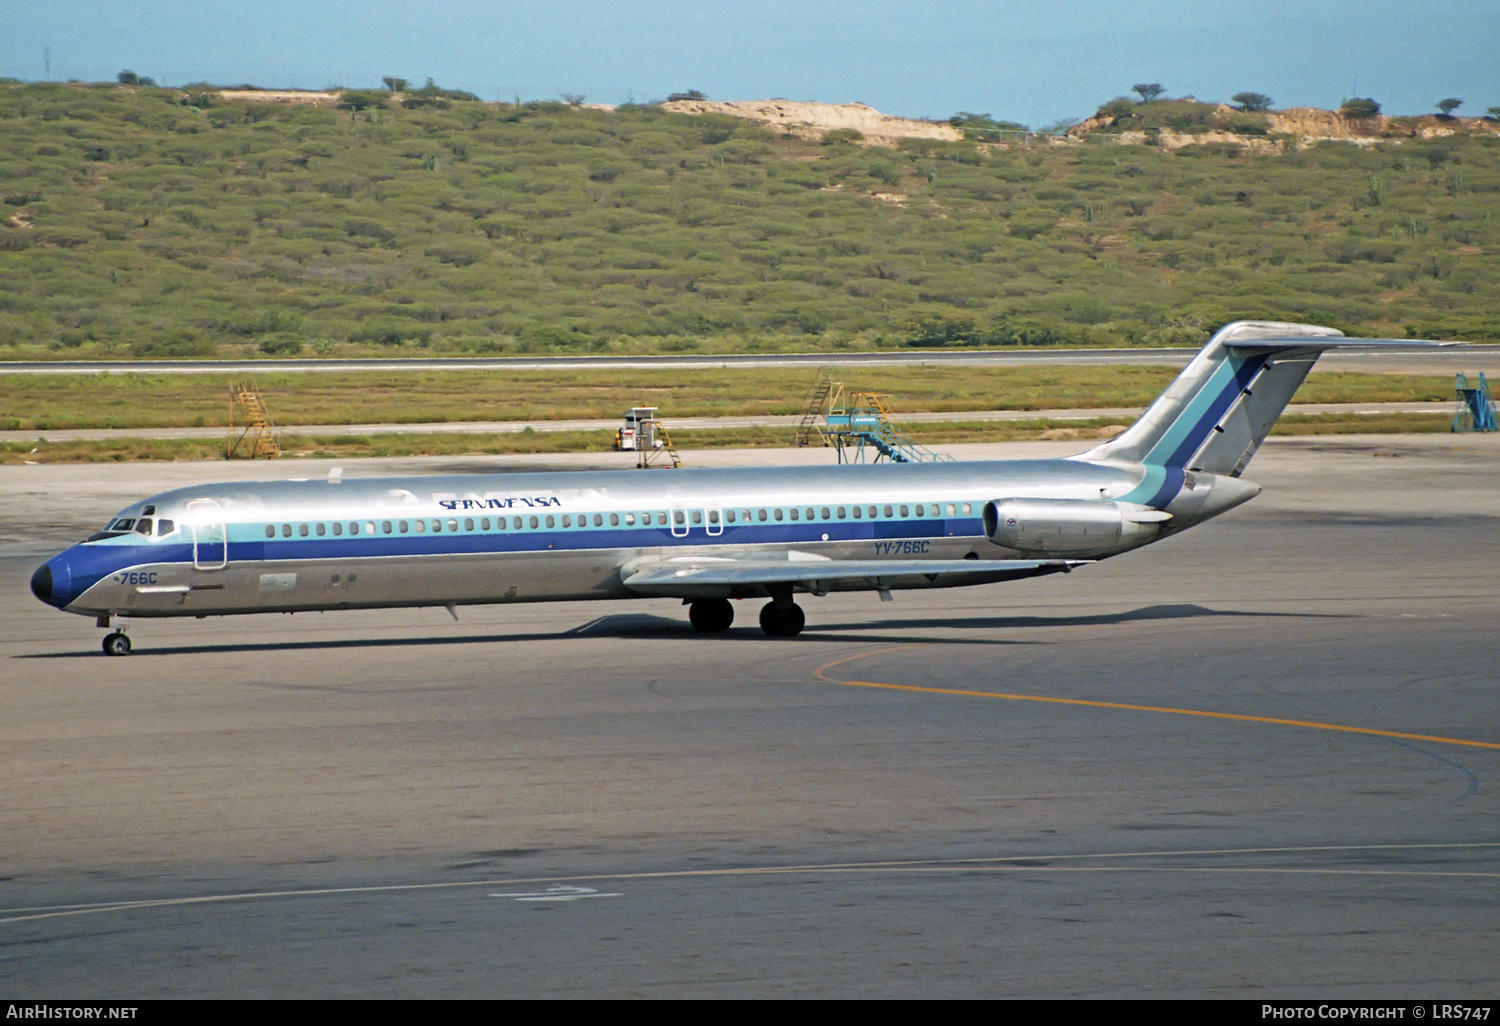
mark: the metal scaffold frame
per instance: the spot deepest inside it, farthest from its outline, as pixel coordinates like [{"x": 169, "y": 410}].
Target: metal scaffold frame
[
  {"x": 856, "y": 426},
  {"x": 256, "y": 424},
  {"x": 1475, "y": 409}
]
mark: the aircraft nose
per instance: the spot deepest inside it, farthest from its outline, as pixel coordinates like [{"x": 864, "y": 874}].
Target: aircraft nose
[
  {"x": 41, "y": 583},
  {"x": 52, "y": 582}
]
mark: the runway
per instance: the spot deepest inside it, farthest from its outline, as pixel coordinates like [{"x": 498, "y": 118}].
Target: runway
[{"x": 1258, "y": 760}]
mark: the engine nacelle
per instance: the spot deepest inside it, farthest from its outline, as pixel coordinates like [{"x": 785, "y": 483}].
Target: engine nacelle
[{"x": 1070, "y": 527}]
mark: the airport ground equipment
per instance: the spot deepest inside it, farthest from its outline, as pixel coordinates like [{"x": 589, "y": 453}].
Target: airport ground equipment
[
  {"x": 646, "y": 436},
  {"x": 822, "y": 395},
  {"x": 248, "y": 415},
  {"x": 1475, "y": 409},
  {"x": 857, "y": 425},
  {"x": 863, "y": 426}
]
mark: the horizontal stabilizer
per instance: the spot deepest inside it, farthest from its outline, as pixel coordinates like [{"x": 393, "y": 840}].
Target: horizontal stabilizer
[{"x": 1322, "y": 343}]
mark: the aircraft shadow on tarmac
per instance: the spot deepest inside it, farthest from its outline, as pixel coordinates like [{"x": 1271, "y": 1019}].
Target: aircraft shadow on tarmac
[{"x": 646, "y": 626}]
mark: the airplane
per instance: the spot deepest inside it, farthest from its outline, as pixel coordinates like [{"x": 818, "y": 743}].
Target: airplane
[{"x": 703, "y": 537}]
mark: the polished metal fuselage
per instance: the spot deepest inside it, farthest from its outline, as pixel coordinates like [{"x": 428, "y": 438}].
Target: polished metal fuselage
[{"x": 460, "y": 539}]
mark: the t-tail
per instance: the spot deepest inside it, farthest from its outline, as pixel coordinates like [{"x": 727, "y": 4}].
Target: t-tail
[{"x": 1202, "y": 431}]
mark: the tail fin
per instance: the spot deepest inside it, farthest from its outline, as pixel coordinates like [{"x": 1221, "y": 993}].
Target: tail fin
[{"x": 1223, "y": 404}]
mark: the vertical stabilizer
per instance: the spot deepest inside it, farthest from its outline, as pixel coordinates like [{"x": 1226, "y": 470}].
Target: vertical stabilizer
[{"x": 1220, "y": 408}]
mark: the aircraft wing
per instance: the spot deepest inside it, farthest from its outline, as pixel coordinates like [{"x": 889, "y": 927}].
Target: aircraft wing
[{"x": 729, "y": 577}]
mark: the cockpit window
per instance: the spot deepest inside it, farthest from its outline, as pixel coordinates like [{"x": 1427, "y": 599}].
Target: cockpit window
[
  {"x": 143, "y": 526},
  {"x": 123, "y": 524},
  {"x": 164, "y": 527}
]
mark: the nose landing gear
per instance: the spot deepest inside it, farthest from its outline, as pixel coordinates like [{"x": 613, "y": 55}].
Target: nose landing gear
[{"x": 115, "y": 642}]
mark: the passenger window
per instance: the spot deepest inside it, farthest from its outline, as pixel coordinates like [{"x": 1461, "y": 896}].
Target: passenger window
[
  {"x": 776, "y": 513},
  {"x": 567, "y": 520},
  {"x": 453, "y": 525},
  {"x": 403, "y": 527},
  {"x": 904, "y": 511},
  {"x": 354, "y": 527},
  {"x": 515, "y": 522},
  {"x": 499, "y": 523},
  {"x": 629, "y": 519},
  {"x": 761, "y": 515},
  {"x": 302, "y": 530},
  {"x": 697, "y": 516},
  {"x": 535, "y": 523},
  {"x": 729, "y": 516},
  {"x": 713, "y": 516},
  {"x": 677, "y": 515},
  {"x": 888, "y": 512},
  {"x": 286, "y": 530},
  {"x": 794, "y": 512},
  {"x": 598, "y": 519},
  {"x": 840, "y": 512},
  {"x": 437, "y": 527},
  {"x": 484, "y": 523},
  {"x": 338, "y": 528},
  {"x": 810, "y": 513},
  {"x": 858, "y": 512},
  {"x": 270, "y": 531},
  {"x": 967, "y": 509},
  {"x": 551, "y": 522},
  {"x": 369, "y": 527},
  {"x": 420, "y": 525},
  {"x": 614, "y": 520},
  {"x": 468, "y": 523},
  {"x": 919, "y": 510},
  {"x": 951, "y": 510}
]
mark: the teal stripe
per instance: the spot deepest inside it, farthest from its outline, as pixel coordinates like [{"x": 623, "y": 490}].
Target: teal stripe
[{"x": 1223, "y": 377}]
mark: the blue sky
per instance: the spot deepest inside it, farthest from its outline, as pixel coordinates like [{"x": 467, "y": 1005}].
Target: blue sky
[{"x": 1023, "y": 61}]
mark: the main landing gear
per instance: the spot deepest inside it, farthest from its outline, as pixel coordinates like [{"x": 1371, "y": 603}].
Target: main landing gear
[
  {"x": 711, "y": 616},
  {"x": 780, "y": 618},
  {"x": 782, "y": 621}
]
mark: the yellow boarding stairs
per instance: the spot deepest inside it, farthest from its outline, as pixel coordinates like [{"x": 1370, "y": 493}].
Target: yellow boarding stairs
[{"x": 248, "y": 415}]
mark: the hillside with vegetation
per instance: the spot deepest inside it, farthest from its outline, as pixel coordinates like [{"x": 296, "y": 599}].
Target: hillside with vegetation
[{"x": 140, "y": 221}]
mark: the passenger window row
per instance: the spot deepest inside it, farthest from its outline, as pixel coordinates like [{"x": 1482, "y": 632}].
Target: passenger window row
[{"x": 549, "y": 521}]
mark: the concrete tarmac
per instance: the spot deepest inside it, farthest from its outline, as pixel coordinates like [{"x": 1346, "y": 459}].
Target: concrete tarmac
[{"x": 1258, "y": 760}]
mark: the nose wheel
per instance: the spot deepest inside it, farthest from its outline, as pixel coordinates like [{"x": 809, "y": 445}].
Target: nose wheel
[{"x": 116, "y": 644}]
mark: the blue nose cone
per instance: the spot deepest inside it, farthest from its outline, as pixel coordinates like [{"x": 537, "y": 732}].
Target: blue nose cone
[{"x": 53, "y": 582}]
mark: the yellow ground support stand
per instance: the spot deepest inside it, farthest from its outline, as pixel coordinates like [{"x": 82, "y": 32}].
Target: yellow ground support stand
[
  {"x": 254, "y": 424},
  {"x": 822, "y": 398}
]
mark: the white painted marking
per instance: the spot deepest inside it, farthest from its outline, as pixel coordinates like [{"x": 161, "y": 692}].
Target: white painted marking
[{"x": 557, "y": 892}]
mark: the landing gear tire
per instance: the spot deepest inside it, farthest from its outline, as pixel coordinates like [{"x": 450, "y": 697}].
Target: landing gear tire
[
  {"x": 116, "y": 644},
  {"x": 711, "y": 616},
  {"x": 782, "y": 621}
]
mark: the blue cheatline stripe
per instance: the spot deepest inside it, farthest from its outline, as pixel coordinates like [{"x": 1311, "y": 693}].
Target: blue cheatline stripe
[{"x": 92, "y": 563}]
